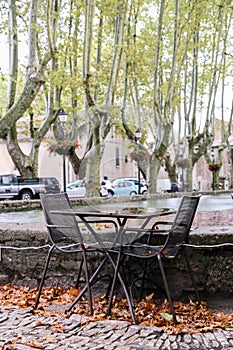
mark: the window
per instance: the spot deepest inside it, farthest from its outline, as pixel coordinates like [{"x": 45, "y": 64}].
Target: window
[
  {"x": 7, "y": 179},
  {"x": 117, "y": 157}
]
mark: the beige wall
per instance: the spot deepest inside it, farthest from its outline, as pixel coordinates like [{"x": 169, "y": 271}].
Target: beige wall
[
  {"x": 6, "y": 164},
  {"x": 49, "y": 164},
  {"x": 52, "y": 165},
  {"x": 109, "y": 166}
]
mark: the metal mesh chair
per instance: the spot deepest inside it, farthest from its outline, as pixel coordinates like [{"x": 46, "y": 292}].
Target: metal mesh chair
[
  {"x": 66, "y": 237},
  {"x": 142, "y": 245}
]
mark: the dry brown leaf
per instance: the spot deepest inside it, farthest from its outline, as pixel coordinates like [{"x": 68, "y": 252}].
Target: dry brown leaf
[
  {"x": 107, "y": 226},
  {"x": 191, "y": 316},
  {"x": 148, "y": 253},
  {"x": 150, "y": 297},
  {"x": 35, "y": 344},
  {"x": 11, "y": 343},
  {"x": 58, "y": 328},
  {"x": 164, "y": 252}
]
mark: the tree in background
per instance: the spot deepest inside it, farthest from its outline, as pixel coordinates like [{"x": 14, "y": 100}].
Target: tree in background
[
  {"x": 20, "y": 98},
  {"x": 189, "y": 63}
]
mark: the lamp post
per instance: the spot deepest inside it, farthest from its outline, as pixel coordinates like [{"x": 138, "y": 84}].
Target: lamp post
[
  {"x": 138, "y": 135},
  {"x": 63, "y": 119},
  {"x": 182, "y": 168},
  {"x": 213, "y": 162}
]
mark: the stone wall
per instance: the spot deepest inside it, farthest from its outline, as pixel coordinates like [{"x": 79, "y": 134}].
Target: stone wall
[
  {"x": 14, "y": 205},
  {"x": 213, "y": 268}
]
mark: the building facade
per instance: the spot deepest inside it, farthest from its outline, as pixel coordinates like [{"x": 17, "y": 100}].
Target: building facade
[{"x": 116, "y": 162}]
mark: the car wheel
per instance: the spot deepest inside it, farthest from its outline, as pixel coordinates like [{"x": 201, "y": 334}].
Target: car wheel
[
  {"x": 110, "y": 193},
  {"x": 144, "y": 192},
  {"x": 132, "y": 193},
  {"x": 26, "y": 195}
]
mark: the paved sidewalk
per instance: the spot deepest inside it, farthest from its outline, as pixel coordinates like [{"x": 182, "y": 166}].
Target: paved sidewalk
[{"x": 21, "y": 330}]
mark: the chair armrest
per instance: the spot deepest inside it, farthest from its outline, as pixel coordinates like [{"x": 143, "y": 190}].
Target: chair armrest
[
  {"x": 158, "y": 223},
  {"x": 58, "y": 226},
  {"x": 132, "y": 235}
]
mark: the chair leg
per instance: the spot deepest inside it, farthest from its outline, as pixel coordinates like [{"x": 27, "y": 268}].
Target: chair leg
[
  {"x": 91, "y": 282},
  {"x": 97, "y": 279},
  {"x": 166, "y": 287},
  {"x": 87, "y": 281},
  {"x": 117, "y": 274},
  {"x": 144, "y": 267},
  {"x": 116, "y": 269},
  {"x": 43, "y": 276},
  {"x": 190, "y": 271},
  {"x": 93, "y": 279}
]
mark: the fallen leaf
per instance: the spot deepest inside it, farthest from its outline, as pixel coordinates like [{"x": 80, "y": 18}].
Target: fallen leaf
[
  {"x": 166, "y": 316},
  {"x": 191, "y": 316},
  {"x": 12, "y": 343},
  {"x": 149, "y": 297},
  {"x": 35, "y": 344},
  {"x": 58, "y": 328}
]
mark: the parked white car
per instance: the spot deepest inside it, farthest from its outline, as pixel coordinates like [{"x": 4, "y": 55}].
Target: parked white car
[
  {"x": 78, "y": 189},
  {"x": 106, "y": 188}
]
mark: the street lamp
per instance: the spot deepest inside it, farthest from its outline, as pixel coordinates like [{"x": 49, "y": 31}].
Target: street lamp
[
  {"x": 63, "y": 119},
  {"x": 213, "y": 162},
  {"x": 138, "y": 135}
]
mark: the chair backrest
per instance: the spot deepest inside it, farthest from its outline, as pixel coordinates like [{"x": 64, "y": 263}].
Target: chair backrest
[
  {"x": 182, "y": 223},
  {"x": 63, "y": 229}
]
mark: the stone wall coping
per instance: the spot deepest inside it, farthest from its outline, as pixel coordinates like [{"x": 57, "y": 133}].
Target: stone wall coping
[
  {"x": 220, "y": 233},
  {"x": 15, "y": 205},
  {"x": 42, "y": 226}
]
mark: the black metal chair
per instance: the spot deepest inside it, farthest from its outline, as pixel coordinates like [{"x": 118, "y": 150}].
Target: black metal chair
[
  {"x": 140, "y": 244},
  {"x": 65, "y": 236}
]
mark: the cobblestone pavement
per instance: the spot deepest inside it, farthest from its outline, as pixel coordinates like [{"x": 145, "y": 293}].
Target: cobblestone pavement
[{"x": 21, "y": 330}]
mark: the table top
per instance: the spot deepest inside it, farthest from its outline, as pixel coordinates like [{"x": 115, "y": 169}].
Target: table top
[{"x": 131, "y": 212}]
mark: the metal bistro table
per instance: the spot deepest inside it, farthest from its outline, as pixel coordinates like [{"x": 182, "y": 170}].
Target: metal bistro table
[{"x": 139, "y": 217}]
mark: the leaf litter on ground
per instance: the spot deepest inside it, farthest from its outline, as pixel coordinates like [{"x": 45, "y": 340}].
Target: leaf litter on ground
[{"x": 192, "y": 317}]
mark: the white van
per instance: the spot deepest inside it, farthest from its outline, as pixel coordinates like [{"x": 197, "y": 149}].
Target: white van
[{"x": 163, "y": 185}]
